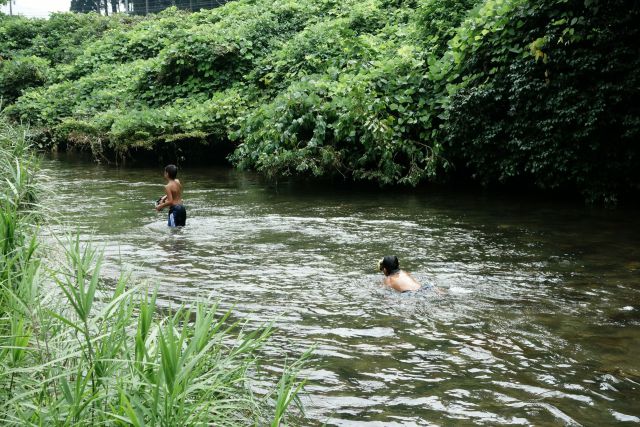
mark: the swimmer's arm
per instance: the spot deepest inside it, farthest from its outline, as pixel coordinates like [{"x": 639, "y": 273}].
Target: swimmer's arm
[
  {"x": 395, "y": 286},
  {"x": 168, "y": 200}
]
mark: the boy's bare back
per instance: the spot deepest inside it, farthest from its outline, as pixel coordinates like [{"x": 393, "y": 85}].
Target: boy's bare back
[
  {"x": 401, "y": 282},
  {"x": 174, "y": 192}
]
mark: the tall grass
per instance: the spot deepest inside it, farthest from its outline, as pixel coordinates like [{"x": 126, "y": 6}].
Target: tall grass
[{"x": 74, "y": 351}]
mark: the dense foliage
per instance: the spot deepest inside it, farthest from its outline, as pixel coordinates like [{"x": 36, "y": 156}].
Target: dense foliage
[
  {"x": 515, "y": 92},
  {"x": 570, "y": 117},
  {"x": 79, "y": 349}
]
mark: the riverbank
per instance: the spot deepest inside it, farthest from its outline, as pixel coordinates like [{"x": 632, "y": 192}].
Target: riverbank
[
  {"x": 77, "y": 348},
  {"x": 523, "y": 193},
  {"x": 498, "y": 93}
]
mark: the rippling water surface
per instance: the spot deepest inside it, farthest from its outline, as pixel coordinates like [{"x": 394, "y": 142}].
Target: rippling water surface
[{"x": 539, "y": 323}]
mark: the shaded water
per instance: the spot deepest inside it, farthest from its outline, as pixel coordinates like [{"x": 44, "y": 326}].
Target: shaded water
[{"x": 539, "y": 325}]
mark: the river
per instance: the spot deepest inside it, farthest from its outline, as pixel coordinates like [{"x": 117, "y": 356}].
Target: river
[{"x": 539, "y": 322}]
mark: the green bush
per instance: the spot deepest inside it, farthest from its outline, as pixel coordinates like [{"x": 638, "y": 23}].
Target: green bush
[
  {"x": 515, "y": 92},
  {"x": 59, "y": 39},
  {"x": 359, "y": 124},
  {"x": 550, "y": 100},
  {"x": 21, "y": 73}
]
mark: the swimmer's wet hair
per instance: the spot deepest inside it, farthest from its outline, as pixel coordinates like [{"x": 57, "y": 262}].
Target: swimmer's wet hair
[
  {"x": 172, "y": 171},
  {"x": 391, "y": 263}
]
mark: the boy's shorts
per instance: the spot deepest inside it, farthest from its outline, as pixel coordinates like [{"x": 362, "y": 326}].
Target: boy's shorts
[{"x": 177, "y": 216}]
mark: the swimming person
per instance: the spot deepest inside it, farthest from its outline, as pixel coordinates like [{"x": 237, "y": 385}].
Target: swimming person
[
  {"x": 173, "y": 198},
  {"x": 394, "y": 277}
]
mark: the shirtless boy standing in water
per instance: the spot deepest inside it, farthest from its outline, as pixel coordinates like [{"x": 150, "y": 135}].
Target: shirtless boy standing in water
[
  {"x": 173, "y": 198},
  {"x": 396, "y": 278}
]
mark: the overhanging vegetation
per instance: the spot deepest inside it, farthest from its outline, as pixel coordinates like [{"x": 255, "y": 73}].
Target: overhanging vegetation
[{"x": 533, "y": 94}]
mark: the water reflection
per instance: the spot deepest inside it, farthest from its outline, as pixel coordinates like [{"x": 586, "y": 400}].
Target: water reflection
[{"x": 540, "y": 323}]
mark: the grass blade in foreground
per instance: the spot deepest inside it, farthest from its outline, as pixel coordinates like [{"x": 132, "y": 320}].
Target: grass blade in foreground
[{"x": 74, "y": 351}]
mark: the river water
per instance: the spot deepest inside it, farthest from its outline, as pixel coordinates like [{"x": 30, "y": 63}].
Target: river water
[{"x": 539, "y": 322}]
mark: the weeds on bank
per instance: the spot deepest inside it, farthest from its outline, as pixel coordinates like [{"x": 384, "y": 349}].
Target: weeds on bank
[{"x": 74, "y": 351}]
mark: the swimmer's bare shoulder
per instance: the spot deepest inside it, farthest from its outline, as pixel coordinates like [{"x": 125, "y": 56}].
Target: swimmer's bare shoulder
[
  {"x": 398, "y": 279},
  {"x": 401, "y": 282}
]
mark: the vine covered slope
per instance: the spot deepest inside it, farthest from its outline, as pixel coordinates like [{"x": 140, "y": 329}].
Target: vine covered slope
[{"x": 502, "y": 92}]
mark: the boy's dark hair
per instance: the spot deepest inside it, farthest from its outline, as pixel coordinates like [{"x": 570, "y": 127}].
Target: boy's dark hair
[
  {"x": 172, "y": 171},
  {"x": 390, "y": 263}
]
